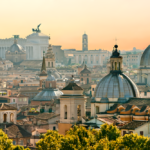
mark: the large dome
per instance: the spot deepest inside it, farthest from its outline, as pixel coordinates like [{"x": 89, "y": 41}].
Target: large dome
[
  {"x": 48, "y": 94},
  {"x": 118, "y": 86},
  {"x": 145, "y": 59},
  {"x": 16, "y": 47}
]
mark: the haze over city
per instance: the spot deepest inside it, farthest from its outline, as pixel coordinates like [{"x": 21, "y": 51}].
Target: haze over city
[{"x": 67, "y": 20}]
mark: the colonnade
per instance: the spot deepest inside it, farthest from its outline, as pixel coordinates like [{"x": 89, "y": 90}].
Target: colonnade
[{"x": 88, "y": 59}]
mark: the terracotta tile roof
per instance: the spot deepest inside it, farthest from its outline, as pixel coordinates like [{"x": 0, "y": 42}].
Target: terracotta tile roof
[
  {"x": 16, "y": 130},
  {"x": 18, "y": 95},
  {"x": 24, "y": 123},
  {"x": 107, "y": 120},
  {"x": 138, "y": 101},
  {"x": 133, "y": 125},
  {"x": 41, "y": 130},
  {"x": 46, "y": 115},
  {"x": 6, "y": 107}
]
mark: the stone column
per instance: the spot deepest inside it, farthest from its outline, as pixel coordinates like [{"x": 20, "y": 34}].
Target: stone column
[
  {"x": 77, "y": 61},
  {"x": 94, "y": 59},
  {"x": 8, "y": 117},
  {"x": 100, "y": 62},
  {"x": 89, "y": 60},
  {"x": 82, "y": 58}
]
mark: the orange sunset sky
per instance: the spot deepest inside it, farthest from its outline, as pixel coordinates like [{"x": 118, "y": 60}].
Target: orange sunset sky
[{"x": 67, "y": 20}]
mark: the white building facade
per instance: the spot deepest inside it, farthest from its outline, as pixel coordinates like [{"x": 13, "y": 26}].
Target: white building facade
[
  {"x": 34, "y": 45},
  {"x": 90, "y": 57}
]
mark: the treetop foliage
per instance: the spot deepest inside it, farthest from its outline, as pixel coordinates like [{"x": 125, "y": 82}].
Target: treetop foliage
[{"x": 79, "y": 138}]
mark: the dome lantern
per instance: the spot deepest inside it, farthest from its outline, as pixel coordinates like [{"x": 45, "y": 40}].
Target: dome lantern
[{"x": 116, "y": 61}]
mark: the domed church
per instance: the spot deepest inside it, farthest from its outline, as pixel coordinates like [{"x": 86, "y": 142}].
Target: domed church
[
  {"x": 144, "y": 72},
  {"x": 116, "y": 87},
  {"x": 16, "y": 53}
]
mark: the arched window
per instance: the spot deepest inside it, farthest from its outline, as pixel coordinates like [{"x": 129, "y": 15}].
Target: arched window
[
  {"x": 11, "y": 117},
  {"x": 79, "y": 112},
  {"x": 87, "y": 80},
  {"x": 145, "y": 80},
  {"x": 50, "y": 85},
  {"x": 65, "y": 112},
  {"x": 85, "y": 59},
  {"x": 5, "y": 118},
  {"x": 115, "y": 65},
  {"x": 119, "y": 66},
  {"x": 112, "y": 66},
  {"x": 43, "y": 84},
  {"x": 48, "y": 64},
  {"x": 80, "y": 59},
  {"x": 97, "y": 109},
  {"x": 91, "y": 59}
]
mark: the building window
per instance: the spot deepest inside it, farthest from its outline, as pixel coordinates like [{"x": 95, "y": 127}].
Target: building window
[
  {"x": 11, "y": 117},
  {"x": 21, "y": 81},
  {"x": 50, "y": 85},
  {"x": 48, "y": 64},
  {"x": 97, "y": 109},
  {"x": 54, "y": 128},
  {"x": 14, "y": 100},
  {"x": 20, "y": 100},
  {"x": 5, "y": 118},
  {"x": 145, "y": 80},
  {"x": 24, "y": 100},
  {"x": 14, "y": 142},
  {"x": 21, "y": 142},
  {"x": 141, "y": 132},
  {"x": 145, "y": 93},
  {"x": 52, "y": 64},
  {"x": 124, "y": 132},
  {"x": 87, "y": 80},
  {"x": 130, "y": 132},
  {"x": 65, "y": 115},
  {"x": 92, "y": 89},
  {"x": 79, "y": 112},
  {"x": 81, "y": 79}
]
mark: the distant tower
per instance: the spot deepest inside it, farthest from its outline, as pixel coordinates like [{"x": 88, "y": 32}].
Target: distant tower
[
  {"x": 72, "y": 103},
  {"x": 50, "y": 58},
  {"x": 84, "y": 42},
  {"x": 43, "y": 74},
  {"x": 85, "y": 76}
]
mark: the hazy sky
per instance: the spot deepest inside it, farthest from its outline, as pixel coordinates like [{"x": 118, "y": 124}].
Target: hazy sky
[{"x": 67, "y": 20}]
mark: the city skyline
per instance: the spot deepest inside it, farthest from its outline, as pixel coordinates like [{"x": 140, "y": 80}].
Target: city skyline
[{"x": 66, "y": 21}]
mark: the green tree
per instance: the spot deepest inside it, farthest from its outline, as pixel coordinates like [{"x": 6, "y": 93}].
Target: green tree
[
  {"x": 6, "y": 143},
  {"x": 51, "y": 140},
  {"x": 110, "y": 131},
  {"x": 79, "y": 138}
]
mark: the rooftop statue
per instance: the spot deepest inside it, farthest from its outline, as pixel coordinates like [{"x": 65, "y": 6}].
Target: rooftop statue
[{"x": 37, "y": 30}]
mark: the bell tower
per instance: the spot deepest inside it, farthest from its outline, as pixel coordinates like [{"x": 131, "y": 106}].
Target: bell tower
[
  {"x": 84, "y": 42},
  {"x": 116, "y": 61}
]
